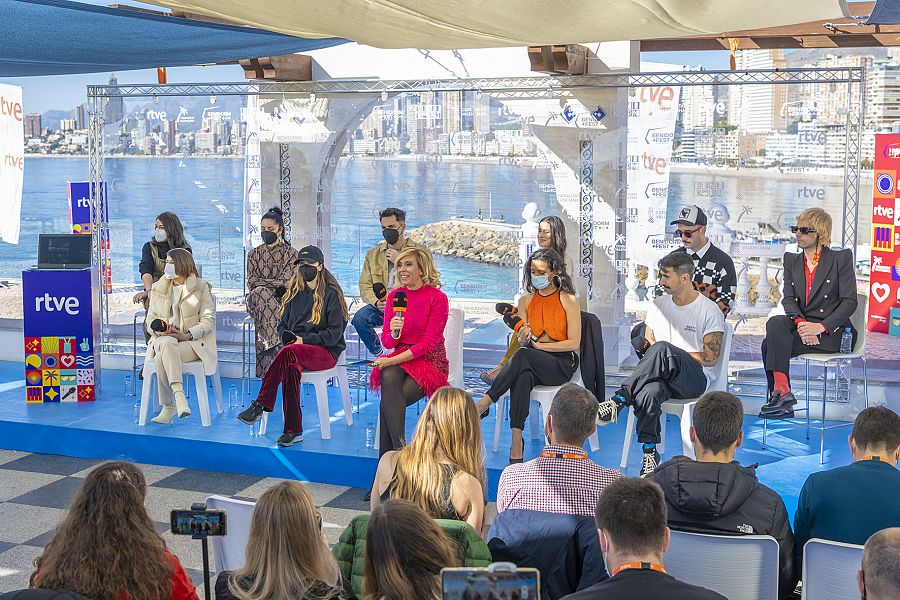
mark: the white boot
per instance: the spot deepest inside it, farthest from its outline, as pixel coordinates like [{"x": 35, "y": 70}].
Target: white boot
[
  {"x": 181, "y": 404},
  {"x": 166, "y": 415}
]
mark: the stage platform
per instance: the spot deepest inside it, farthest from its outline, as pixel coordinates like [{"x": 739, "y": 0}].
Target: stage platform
[{"x": 106, "y": 429}]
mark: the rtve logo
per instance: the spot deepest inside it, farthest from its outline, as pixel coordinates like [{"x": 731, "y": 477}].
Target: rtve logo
[{"x": 56, "y": 304}]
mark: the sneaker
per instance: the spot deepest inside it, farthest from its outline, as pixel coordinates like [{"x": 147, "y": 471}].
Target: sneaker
[
  {"x": 650, "y": 462},
  {"x": 251, "y": 414},
  {"x": 289, "y": 439},
  {"x": 608, "y": 412}
]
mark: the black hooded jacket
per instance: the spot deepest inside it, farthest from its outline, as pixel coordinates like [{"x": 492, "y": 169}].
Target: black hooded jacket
[{"x": 726, "y": 499}]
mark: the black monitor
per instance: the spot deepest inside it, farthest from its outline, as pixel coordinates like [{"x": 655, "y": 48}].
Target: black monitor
[{"x": 64, "y": 251}]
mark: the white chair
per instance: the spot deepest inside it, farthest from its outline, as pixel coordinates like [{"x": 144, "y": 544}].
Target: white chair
[
  {"x": 683, "y": 409},
  {"x": 542, "y": 395},
  {"x": 858, "y": 319},
  {"x": 229, "y": 549},
  {"x": 829, "y": 570},
  {"x": 319, "y": 381},
  {"x": 740, "y": 567},
  {"x": 453, "y": 344},
  {"x": 194, "y": 369}
]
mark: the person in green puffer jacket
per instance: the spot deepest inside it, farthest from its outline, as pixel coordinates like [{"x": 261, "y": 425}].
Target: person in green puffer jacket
[{"x": 350, "y": 549}]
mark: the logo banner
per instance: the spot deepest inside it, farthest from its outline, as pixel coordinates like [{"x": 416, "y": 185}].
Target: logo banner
[
  {"x": 12, "y": 161},
  {"x": 884, "y": 278}
]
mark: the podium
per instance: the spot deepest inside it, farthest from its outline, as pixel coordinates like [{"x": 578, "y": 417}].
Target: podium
[{"x": 62, "y": 320}]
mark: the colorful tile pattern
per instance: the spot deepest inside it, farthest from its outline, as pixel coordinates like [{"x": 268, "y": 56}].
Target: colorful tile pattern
[{"x": 59, "y": 369}]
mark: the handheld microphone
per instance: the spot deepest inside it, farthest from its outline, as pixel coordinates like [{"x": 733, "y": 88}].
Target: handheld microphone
[
  {"x": 515, "y": 323},
  {"x": 288, "y": 337},
  {"x": 159, "y": 326},
  {"x": 504, "y": 308},
  {"x": 380, "y": 291},
  {"x": 399, "y": 305}
]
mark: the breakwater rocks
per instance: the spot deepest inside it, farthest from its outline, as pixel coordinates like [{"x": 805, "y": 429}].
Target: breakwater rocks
[{"x": 482, "y": 241}]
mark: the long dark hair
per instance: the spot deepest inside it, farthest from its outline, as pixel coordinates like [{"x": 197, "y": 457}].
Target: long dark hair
[
  {"x": 174, "y": 230},
  {"x": 555, "y": 263},
  {"x": 107, "y": 547},
  {"x": 277, "y": 215},
  {"x": 557, "y": 233},
  {"x": 297, "y": 284}
]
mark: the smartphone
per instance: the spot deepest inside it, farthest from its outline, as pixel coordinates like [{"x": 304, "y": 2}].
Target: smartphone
[
  {"x": 198, "y": 522},
  {"x": 468, "y": 584}
]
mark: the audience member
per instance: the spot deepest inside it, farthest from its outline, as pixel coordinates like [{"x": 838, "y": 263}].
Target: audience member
[
  {"x": 378, "y": 272},
  {"x": 287, "y": 556},
  {"x": 715, "y": 494},
  {"x": 107, "y": 547},
  {"x": 270, "y": 267},
  {"x": 631, "y": 520},
  {"x": 685, "y": 331},
  {"x": 442, "y": 469},
  {"x": 850, "y": 503},
  {"x": 405, "y": 552},
  {"x": 549, "y": 331},
  {"x": 562, "y": 479},
  {"x": 879, "y": 577}
]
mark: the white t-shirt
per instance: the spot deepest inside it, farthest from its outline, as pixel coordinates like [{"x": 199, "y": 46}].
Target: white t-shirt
[{"x": 686, "y": 326}]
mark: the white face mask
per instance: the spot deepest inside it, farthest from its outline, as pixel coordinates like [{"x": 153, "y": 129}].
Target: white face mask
[
  {"x": 169, "y": 271},
  {"x": 160, "y": 235}
]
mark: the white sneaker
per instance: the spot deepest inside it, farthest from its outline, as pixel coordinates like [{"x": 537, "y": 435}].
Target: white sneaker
[
  {"x": 649, "y": 463},
  {"x": 608, "y": 412},
  {"x": 165, "y": 416}
]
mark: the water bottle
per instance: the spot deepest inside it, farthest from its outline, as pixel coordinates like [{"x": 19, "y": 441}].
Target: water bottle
[
  {"x": 847, "y": 341},
  {"x": 232, "y": 397},
  {"x": 137, "y": 411},
  {"x": 370, "y": 435},
  {"x": 128, "y": 386}
]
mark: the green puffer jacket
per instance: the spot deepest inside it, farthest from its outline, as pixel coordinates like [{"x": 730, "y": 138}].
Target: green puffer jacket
[{"x": 350, "y": 549}]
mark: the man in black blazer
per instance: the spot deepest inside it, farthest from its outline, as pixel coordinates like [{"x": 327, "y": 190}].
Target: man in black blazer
[{"x": 819, "y": 299}]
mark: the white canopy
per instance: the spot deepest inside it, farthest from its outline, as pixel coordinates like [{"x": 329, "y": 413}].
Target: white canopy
[{"x": 449, "y": 24}]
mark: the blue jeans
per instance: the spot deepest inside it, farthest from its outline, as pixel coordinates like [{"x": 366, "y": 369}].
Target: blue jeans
[{"x": 365, "y": 321}]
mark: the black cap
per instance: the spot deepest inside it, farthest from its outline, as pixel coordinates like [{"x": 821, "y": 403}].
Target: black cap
[
  {"x": 690, "y": 215},
  {"x": 310, "y": 254}
]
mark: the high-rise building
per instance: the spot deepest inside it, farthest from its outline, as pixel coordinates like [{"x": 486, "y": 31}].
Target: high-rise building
[
  {"x": 67, "y": 125},
  {"x": 882, "y": 97},
  {"x": 451, "y": 103},
  {"x": 80, "y": 117},
  {"x": 698, "y": 107},
  {"x": 114, "y": 111},
  {"x": 33, "y": 125},
  {"x": 171, "y": 136},
  {"x": 757, "y": 108}
]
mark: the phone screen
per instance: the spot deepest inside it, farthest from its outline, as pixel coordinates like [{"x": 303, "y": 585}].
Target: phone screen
[
  {"x": 481, "y": 584},
  {"x": 198, "y": 522}
]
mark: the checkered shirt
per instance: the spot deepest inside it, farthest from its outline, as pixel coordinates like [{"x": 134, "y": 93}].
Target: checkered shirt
[
  {"x": 557, "y": 485},
  {"x": 714, "y": 277}
]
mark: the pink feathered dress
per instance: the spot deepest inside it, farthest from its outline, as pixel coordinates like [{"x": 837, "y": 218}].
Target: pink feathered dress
[{"x": 423, "y": 334}]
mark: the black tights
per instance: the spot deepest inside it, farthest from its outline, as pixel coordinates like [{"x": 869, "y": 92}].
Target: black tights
[{"x": 398, "y": 390}]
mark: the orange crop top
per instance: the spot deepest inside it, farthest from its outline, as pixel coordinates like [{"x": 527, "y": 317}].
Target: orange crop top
[{"x": 547, "y": 315}]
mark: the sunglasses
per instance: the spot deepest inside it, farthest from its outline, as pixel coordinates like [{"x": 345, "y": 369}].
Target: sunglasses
[
  {"x": 803, "y": 230},
  {"x": 687, "y": 233}
]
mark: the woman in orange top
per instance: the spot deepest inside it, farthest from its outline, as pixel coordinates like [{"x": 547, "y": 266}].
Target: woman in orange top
[{"x": 550, "y": 333}]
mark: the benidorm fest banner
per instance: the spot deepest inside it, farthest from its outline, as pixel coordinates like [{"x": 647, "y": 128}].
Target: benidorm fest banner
[{"x": 884, "y": 280}]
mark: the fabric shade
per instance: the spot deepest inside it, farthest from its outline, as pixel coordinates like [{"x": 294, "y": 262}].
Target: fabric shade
[
  {"x": 885, "y": 12},
  {"x": 53, "y": 37},
  {"x": 449, "y": 24}
]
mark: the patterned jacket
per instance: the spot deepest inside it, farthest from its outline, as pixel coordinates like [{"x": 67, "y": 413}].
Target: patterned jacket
[{"x": 714, "y": 277}]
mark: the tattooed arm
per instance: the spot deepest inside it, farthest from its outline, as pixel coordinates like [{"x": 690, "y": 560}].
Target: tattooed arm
[{"x": 712, "y": 346}]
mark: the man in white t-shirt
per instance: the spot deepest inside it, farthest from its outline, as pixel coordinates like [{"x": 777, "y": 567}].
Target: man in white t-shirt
[{"x": 685, "y": 330}]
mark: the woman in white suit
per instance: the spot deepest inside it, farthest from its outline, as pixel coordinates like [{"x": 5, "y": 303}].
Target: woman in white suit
[{"x": 181, "y": 321}]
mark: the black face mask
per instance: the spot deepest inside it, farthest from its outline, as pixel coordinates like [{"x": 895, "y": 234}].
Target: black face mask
[
  {"x": 269, "y": 237},
  {"x": 308, "y": 272},
  {"x": 391, "y": 236}
]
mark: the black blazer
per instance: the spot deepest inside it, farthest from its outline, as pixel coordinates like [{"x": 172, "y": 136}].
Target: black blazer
[{"x": 832, "y": 299}]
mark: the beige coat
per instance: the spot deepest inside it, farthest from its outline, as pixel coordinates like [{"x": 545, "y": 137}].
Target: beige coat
[{"x": 198, "y": 315}]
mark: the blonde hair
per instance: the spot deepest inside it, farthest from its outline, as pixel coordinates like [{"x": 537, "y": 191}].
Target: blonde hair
[
  {"x": 183, "y": 261},
  {"x": 286, "y": 556},
  {"x": 819, "y": 220},
  {"x": 325, "y": 279},
  {"x": 430, "y": 275},
  {"x": 449, "y": 430}
]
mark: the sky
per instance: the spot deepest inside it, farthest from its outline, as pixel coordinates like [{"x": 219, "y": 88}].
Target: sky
[{"x": 65, "y": 92}]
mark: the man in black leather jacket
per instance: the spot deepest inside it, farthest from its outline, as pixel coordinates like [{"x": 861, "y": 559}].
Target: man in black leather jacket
[{"x": 714, "y": 494}]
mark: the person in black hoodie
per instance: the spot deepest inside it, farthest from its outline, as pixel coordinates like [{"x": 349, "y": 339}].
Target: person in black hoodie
[
  {"x": 313, "y": 319},
  {"x": 714, "y": 494}
]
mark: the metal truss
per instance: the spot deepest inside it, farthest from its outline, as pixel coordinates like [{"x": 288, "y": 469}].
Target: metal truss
[{"x": 855, "y": 104}]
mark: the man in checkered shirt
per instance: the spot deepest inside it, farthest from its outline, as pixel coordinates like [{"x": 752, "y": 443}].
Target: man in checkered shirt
[
  {"x": 714, "y": 273},
  {"x": 562, "y": 479}
]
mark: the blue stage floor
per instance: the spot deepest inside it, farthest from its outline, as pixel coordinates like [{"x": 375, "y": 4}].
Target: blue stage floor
[{"x": 105, "y": 429}]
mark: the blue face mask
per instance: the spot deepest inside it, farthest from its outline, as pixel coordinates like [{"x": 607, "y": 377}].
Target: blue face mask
[{"x": 540, "y": 281}]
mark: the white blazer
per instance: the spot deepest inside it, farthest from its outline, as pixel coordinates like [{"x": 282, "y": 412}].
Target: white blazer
[{"x": 197, "y": 313}]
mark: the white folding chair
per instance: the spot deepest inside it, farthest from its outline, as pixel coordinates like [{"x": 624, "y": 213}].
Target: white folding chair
[
  {"x": 542, "y": 395},
  {"x": 453, "y": 344},
  {"x": 858, "y": 319},
  {"x": 194, "y": 369},
  {"x": 319, "y": 381},
  {"x": 829, "y": 570},
  {"x": 683, "y": 409},
  {"x": 228, "y": 549},
  {"x": 740, "y": 567}
]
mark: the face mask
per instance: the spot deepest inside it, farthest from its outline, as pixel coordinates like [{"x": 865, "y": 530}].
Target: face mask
[
  {"x": 160, "y": 235},
  {"x": 540, "y": 281},
  {"x": 391, "y": 236},
  {"x": 308, "y": 272},
  {"x": 269, "y": 237},
  {"x": 169, "y": 271}
]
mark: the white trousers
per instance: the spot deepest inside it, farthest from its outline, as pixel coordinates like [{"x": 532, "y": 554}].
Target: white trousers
[{"x": 169, "y": 356}]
